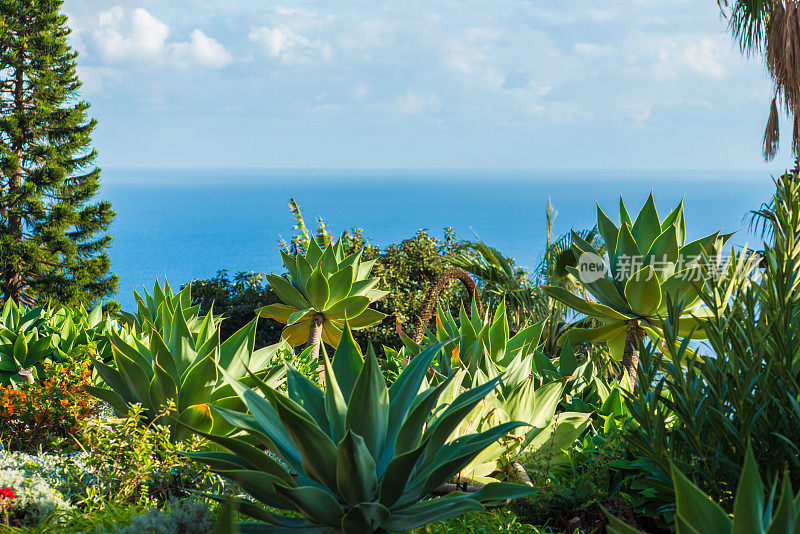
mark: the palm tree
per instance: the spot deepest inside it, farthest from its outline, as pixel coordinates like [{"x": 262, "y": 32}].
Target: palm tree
[
  {"x": 772, "y": 28},
  {"x": 503, "y": 281}
]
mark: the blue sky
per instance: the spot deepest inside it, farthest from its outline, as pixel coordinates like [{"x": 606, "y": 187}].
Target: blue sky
[{"x": 615, "y": 84}]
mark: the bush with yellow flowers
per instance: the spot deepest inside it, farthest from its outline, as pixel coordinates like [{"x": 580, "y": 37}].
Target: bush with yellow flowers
[{"x": 37, "y": 415}]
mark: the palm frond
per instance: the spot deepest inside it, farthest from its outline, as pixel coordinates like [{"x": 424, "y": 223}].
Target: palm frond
[{"x": 747, "y": 22}]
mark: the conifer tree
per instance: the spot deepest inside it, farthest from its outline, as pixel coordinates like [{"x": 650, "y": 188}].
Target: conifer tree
[{"x": 53, "y": 241}]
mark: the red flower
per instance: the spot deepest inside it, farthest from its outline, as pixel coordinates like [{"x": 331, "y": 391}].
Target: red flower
[{"x": 7, "y": 493}]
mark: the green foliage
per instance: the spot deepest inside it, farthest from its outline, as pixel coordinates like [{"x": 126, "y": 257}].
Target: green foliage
[
  {"x": 31, "y": 338},
  {"x": 496, "y": 521},
  {"x": 475, "y": 343},
  {"x": 520, "y": 291},
  {"x": 744, "y": 391},
  {"x": 180, "y": 517},
  {"x": 475, "y": 351},
  {"x": 37, "y": 495},
  {"x": 372, "y": 448},
  {"x": 577, "y": 477},
  {"x": 650, "y": 264},
  {"x": 172, "y": 354},
  {"x": 405, "y": 270},
  {"x": 130, "y": 460},
  {"x": 696, "y": 512},
  {"x": 323, "y": 285},
  {"x": 52, "y": 242},
  {"x": 185, "y": 516},
  {"x": 236, "y": 300},
  {"x": 34, "y": 416}
]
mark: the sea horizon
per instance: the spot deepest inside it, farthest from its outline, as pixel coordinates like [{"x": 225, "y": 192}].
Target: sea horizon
[{"x": 186, "y": 224}]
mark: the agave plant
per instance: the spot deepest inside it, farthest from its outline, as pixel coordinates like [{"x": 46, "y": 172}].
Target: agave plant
[
  {"x": 650, "y": 264},
  {"x": 323, "y": 289},
  {"x": 697, "y": 512},
  {"x": 174, "y": 362},
  {"x": 153, "y": 308},
  {"x": 75, "y": 327},
  {"x": 356, "y": 458},
  {"x": 473, "y": 342},
  {"x": 25, "y": 343},
  {"x": 516, "y": 398},
  {"x": 476, "y": 351}
]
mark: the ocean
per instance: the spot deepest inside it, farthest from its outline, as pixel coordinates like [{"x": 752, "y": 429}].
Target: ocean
[{"x": 187, "y": 224}]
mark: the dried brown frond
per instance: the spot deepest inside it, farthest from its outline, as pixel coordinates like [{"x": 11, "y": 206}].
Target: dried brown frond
[
  {"x": 796, "y": 134},
  {"x": 772, "y": 132},
  {"x": 782, "y": 52}
]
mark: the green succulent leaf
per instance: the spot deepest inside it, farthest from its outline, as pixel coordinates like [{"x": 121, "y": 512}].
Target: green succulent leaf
[
  {"x": 696, "y": 509},
  {"x": 349, "y": 307},
  {"x": 340, "y": 282},
  {"x": 749, "y": 504},
  {"x": 368, "y": 407},
  {"x": 317, "y": 451},
  {"x": 643, "y": 292},
  {"x": 624, "y": 216},
  {"x": 347, "y": 363},
  {"x": 317, "y": 289},
  {"x": 356, "y": 477},
  {"x": 315, "y": 504},
  {"x": 578, "y": 304},
  {"x": 647, "y": 226},
  {"x": 608, "y": 230},
  {"x": 287, "y": 292},
  {"x": 626, "y": 257},
  {"x": 663, "y": 254},
  {"x": 675, "y": 218}
]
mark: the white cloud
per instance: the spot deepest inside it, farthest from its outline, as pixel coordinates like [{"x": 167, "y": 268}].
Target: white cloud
[
  {"x": 592, "y": 49},
  {"x": 672, "y": 57},
  {"x": 203, "y": 50},
  {"x": 141, "y": 38},
  {"x": 361, "y": 91},
  {"x": 283, "y": 43},
  {"x": 414, "y": 103}
]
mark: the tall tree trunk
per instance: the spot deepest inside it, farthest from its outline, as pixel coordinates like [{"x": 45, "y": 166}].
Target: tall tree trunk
[
  {"x": 630, "y": 355},
  {"x": 14, "y": 273},
  {"x": 315, "y": 335}
]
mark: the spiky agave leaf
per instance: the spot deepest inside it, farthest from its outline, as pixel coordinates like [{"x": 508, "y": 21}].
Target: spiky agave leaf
[
  {"x": 650, "y": 265},
  {"x": 365, "y": 457},
  {"x": 697, "y": 512},
  {"x": 326, "y": 284},
  {"x": 178, "y": 361}
]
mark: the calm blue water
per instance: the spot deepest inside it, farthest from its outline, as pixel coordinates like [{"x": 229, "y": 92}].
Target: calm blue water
[{"x": 187, "y": 224}]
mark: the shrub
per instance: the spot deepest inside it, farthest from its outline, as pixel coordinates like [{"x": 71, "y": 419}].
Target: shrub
[
  {"x": 178, "y": 517},
  {"x": 405, "y": 268},
  {"x": 388, "y": 461},
  {"x": 236, "y": 299},
  {"x": 34, "y": 496},
  {"x": 702, "y": 417},
  {"x": 170, "y": 353},
  {"x": 30, "y": 338},
  {"x": 131, "y": 461},
  {"x": 696, "y": 512},
  {"x": 34, "y": 415},
  {"x": 497, "y": 521},
  {"x": 66, "y": 474}
]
